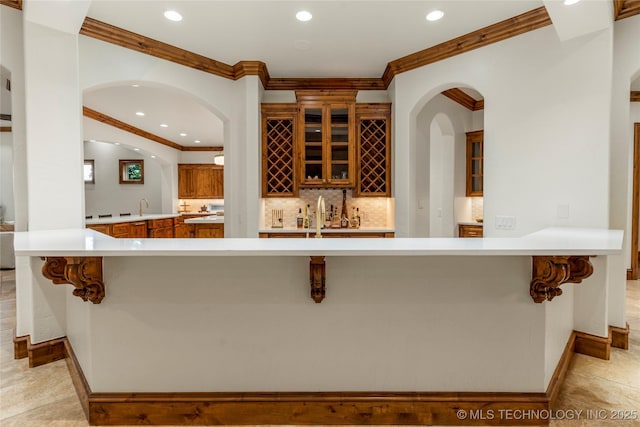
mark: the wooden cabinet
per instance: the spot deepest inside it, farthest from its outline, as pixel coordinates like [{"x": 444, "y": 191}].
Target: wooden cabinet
[
  {"x": 138, "y": 229},
  {"x": 209, "y": 230},
  {"x": 326, "y": 138},
  {"x": 182, "y": 230},
  {"x": 475, "y": 158},
  {"x": 373, "y": 171},
  {"x": 279, "y": 174},
  {"x": 120, "y": 230},
  {"x": 200, "y": 181},
  {"x": 160, "y": 227},
  {"x": 101, "y": 228},
  {"x": 466, "y": 230}
]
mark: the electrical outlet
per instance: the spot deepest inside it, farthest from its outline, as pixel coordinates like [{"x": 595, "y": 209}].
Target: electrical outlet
[{"x": 504, "y": 222}]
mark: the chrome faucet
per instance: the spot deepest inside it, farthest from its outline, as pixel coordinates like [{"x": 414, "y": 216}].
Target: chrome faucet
[
  {"x": 320, "y": 216},
  {"x": 143, "y": 200}
]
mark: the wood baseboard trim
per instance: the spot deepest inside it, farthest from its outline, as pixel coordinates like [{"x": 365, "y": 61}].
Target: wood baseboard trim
[
  {"x": 20, "y": 346},
  {"x": 560, "y": 373},
  {"x": 38, "y": 354},
  {"x": 619, "y": 337},
  {"x": 593, "y": 345}
]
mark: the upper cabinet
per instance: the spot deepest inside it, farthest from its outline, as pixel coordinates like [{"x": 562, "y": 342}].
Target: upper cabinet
[
  {"x": 373, "y": 123},
  {"x": 279, "y": 174},
  {"x": 200, "y": 181},
  {"x": 475, "y": 157},
  {"x": 326, "y": 138}
]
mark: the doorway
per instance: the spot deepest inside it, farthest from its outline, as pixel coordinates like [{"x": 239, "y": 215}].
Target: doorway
[{"x": 632, "y": 274}]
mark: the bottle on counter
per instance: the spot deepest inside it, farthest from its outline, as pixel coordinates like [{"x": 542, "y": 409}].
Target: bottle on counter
[
  {"x": 305, "y": 217},
  {"x": 353, "y": 222},
  {"x": 299, "y": 218},
  {"x": 344, "y": 215},
  {"x": 335, "y": 220},
  {"x": 358, "y": 217}
]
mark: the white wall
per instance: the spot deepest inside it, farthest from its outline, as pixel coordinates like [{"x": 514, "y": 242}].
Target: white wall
[
  {"x": 107, "y": 195},
  {"x": 548, "y": 136},
  {"x": 7, "y": 211},
  {"x": 12, "y": 58}
]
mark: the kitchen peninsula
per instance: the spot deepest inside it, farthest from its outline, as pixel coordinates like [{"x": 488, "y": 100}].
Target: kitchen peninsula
[
  {"x": 202, "y": 225},
  {"x": 269, "y": 351}
]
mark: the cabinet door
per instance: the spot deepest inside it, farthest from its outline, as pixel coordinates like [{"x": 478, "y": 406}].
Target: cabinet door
[
  {"x": 313, "y": 144},
  {"x": 373, "y": 171},
  {"x": 209, "y": 231},
  {"x": 475, "y": 160},
  {"x": 340, "y": 144},
  {"x": 186, "y": 182},
  {"x": 217, "y": 182},
  {"x": 279, "y": 165},
  {"x": 138, "y": 229},
  {"x": 101, "y": 228}
]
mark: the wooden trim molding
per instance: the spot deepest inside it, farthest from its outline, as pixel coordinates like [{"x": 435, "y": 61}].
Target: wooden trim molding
[
  {"x": 464, "y": 99},
  {"x": 38, "y": 354},
  {"x": 84, "y": 273},
  {"x": 528, "y": 21},
  {"x": 625, "y": 8},
  {"x": 5, "y": 129},
  {"x": 593, "y": 345},
  {"x": 16, "y": 4},
  {"x": 635, "y": 94},
  {"x": 6, "y": 117},
  {"x": 317, "y": 278},
  {"x": 549, "y": 272},
  {"x": 20, "y": 346},
  {"x": 619, "y": 337},
  {"x": 111, "y": 121}
]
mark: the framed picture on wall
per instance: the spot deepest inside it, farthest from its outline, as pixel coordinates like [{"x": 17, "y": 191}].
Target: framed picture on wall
[
  {"x": 131, "y": 171},
  {"x": 89, "y": 172}
]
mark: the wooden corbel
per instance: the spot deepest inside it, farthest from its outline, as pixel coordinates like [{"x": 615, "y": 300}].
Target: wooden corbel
[
  {"x": 549, "y": 272},
  {"x": 84, "y": 273},
  {"x": 317, "y": 276}
]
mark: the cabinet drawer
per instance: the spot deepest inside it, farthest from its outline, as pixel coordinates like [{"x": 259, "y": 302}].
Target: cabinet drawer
[
  {"x": 470, "y": 230},
  {"x": 160, "y": 223},
  {"x": 120, "y": 229}
]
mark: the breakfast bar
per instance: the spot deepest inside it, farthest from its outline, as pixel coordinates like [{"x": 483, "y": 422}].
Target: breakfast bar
[{"x": 228, "y": 331}]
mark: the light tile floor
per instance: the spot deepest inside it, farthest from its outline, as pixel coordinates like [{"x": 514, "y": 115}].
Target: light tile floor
[{"x": 44, "y": 396}]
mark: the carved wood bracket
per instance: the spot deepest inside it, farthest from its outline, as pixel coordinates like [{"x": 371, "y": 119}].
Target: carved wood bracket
[
  {"x": 549, "y": 272},
  {"x": 317, "y": 276},
  {"x": 85, "y": 273}
]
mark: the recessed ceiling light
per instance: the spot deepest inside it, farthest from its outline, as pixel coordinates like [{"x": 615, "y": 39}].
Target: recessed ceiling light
[
  {"x": 136, "y": 149},
  {"x": 197, "y": 141},
  {"x": 172, "y": 15},
  {"x": 139, "y": 113},
  {"x": 183, "y": 134},
  {"x": 117, "y": 143},
  {"x": 164, "y": 125},
  {"x": 434, "y": 15},
  {"x": 135, "y": 85},
  {"x": 304, "y": 16},
  {"x": 570, "y": 2},
  {"x": 92, "y": 140},
  {"x": 153, "y": 157}
]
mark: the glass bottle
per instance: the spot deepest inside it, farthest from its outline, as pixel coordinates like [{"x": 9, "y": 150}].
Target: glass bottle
[{"x": 299, "y": 218}]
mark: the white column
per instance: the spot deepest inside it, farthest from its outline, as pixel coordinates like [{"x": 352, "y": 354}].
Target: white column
[{"x": 53, "y": 128}]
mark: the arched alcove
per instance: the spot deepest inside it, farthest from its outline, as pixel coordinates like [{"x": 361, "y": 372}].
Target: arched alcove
[{"x": 439, "y": 163}]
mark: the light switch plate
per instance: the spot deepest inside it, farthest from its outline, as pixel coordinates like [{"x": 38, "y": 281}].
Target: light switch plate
[{"x": 504, "y": 222}]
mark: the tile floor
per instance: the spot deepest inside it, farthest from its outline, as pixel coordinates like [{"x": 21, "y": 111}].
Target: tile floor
[{"x": 44, "y": 396}]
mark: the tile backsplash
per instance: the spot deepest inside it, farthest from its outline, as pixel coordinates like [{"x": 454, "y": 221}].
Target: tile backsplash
[{"x": 375, "y": 212}]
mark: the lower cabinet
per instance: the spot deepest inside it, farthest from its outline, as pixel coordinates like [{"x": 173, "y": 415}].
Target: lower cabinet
[
  {"x": 465, "y": 230},
  {"x": 101, "y": 228},
  {"x": 209, "y": 230},
  {"x": 138, "y": 229},
  {"x": 160, "y": 227}
]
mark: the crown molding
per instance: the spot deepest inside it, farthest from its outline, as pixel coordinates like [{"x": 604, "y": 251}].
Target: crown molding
[
  {"x": 625, "y": 8},
  {"x": 16, "y": 4},
  {"x": 464, "y": 99},
  {"x": 111, "y": 121},
  {"x": 528, "y": 21}
]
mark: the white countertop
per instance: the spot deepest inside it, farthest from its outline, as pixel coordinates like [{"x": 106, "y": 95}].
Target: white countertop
[
  {"x": 326, "y": 230},
  {"x": 211, "y": 219},
  {"x": 550, "y": 241},
  {"x": 128, "y": 218},
  {"x": 479, "y": 224}
]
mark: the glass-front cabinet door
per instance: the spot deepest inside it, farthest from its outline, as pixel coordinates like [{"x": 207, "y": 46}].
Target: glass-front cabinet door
[
  {"x": 328, "y": 144},
  {"x": 475, "y": 160}
]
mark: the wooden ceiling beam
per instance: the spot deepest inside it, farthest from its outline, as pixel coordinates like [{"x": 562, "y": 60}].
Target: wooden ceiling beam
[
  {"x": 111, "y": 121},
  {"x": 625, "y": 8},
  {"x": 528, "y": 21}
]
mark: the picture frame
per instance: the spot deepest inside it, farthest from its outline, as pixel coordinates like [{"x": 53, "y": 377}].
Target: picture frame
[
  {"x": 131, "y": 171},
  {"x": 89, "y": 171}
]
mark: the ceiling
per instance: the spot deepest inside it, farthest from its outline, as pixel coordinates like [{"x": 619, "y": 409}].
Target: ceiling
[{"x": 346, "y": 39}]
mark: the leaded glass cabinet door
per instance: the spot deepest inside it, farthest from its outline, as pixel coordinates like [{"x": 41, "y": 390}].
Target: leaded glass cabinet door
[{"x": 475, "y": 168}]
